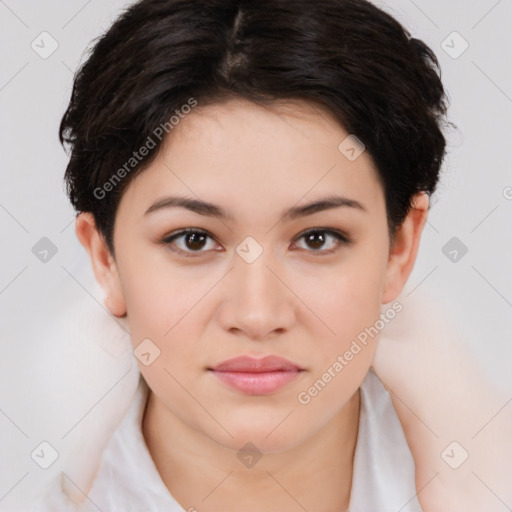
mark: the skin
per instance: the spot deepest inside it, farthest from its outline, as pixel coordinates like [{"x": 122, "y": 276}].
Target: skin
[
  {"x": 294, "y": 300},
  {"x": 439, "y": 403}
]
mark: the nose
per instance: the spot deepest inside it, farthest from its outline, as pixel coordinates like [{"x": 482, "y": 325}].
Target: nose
[{"x": 258, "y": 303}]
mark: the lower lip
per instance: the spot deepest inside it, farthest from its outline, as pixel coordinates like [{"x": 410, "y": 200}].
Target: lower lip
[{"x": 253, "y": 383}]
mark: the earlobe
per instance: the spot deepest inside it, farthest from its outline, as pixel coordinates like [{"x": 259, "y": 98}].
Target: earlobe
[
  {"x": 102, "y": 262},
  {"x": 405, "y": 248}
]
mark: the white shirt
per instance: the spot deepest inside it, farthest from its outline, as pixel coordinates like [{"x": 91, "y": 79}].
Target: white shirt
[{"x": 128, "y": 481}]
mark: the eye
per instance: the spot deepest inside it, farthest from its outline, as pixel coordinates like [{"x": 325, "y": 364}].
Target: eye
[
  {"x": 316, "y": 238},
  {"x": 196, "y": 241},
  {"x": 192, "y": 241}
]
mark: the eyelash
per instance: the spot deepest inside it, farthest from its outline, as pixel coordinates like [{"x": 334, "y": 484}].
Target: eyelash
[{"x": 342, "y": 240}]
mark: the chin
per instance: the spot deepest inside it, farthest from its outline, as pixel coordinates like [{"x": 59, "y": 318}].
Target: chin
[
  {"x": 261, "y": 444},
  {"x": 263, "y": 436}
]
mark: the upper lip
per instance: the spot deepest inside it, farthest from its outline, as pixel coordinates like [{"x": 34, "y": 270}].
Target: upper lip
[{"x": 250, "y": 364}]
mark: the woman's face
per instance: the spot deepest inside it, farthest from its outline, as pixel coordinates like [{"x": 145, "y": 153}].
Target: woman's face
[{"x": 264, "y": 274}]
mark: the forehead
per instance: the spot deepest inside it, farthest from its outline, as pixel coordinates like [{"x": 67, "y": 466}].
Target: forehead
[
  {"x": 243, "y": 153},
  {"x": 241, "y": 127}
]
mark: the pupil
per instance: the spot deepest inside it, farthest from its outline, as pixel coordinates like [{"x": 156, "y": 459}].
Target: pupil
[
  {"x": 317, "y": 238},
  {"x": 194, "y": 238}
]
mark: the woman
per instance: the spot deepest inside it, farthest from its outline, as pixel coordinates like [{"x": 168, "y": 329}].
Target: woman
[{"x": 252, "y": 180}]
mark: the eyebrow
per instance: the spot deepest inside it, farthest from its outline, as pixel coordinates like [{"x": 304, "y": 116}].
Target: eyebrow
[{"x": 212, "y": 210}]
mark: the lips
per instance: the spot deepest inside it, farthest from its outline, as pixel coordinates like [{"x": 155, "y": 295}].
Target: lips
[
  {"x": 254, "y": 376},
  {"x": 253, "y": 365}
]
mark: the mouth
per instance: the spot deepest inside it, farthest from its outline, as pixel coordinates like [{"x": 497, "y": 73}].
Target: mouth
[{"x": 256, "y": 376}]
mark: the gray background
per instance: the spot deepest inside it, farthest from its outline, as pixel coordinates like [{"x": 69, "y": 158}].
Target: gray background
[{"x": 473, "y": 203}]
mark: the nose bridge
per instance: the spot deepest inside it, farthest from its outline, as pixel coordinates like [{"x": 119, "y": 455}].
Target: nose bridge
[
  {"x": 256, "y": 280},
  {"x": 260, "y": 302}
]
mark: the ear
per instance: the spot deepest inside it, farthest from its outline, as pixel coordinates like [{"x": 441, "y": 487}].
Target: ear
[
  {"x": 103, "y": 263},
  {"x": 404, "y": 249}
]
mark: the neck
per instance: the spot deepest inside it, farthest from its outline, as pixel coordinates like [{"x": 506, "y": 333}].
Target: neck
[{"x": 205, "y": 476}]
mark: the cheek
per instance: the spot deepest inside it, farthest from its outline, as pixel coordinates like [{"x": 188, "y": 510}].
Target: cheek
[
  {"x": 159, "y": 295},
  {"x": 170, "y": 320},
  {"x": 163, "y": 322},
  {"x": 346, "y": 298},
  {"x": 160, "y": 305},
  {"x": 350, "y": 305}
]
